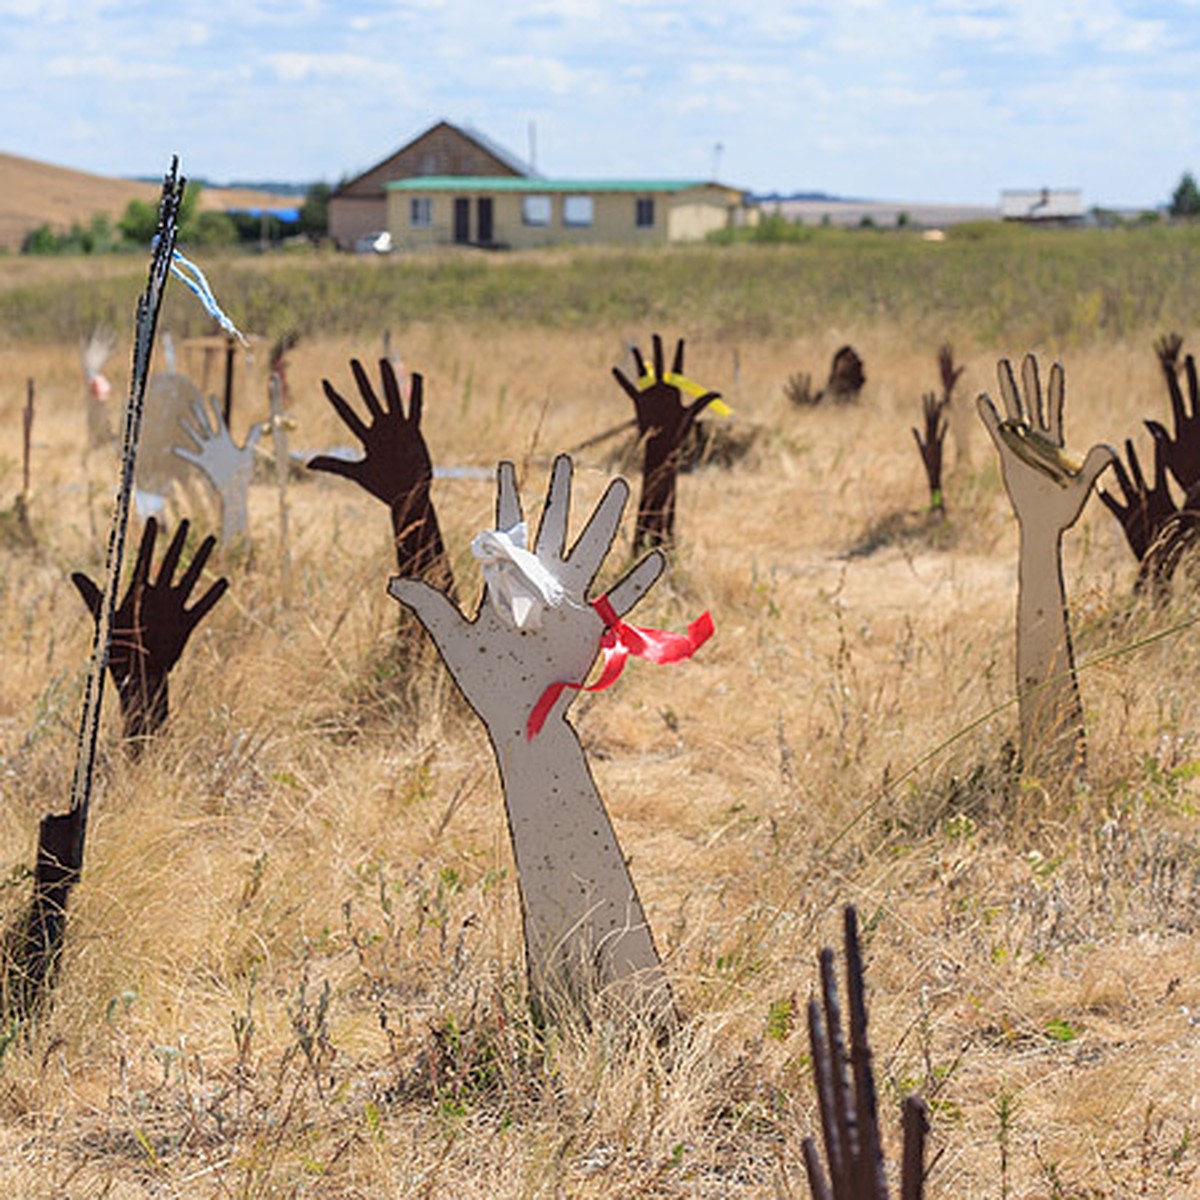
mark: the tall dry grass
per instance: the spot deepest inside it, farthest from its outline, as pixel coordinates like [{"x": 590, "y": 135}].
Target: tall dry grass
[{"x": 294, "y": 962}]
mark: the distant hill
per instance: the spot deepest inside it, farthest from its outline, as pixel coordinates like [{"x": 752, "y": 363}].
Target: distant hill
[{"x": 33, "y": 193}]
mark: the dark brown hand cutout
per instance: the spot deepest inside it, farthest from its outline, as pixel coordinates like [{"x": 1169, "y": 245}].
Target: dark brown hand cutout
[
  {"x": 663, "y": 422},
  {"x": 1147, "y": 507},
  {"x": 151, "y": 627},
  {"x": 1182, "y": 452},
  {"x": 1168, "y": 348},
  {"x": 931, "y": 447},
  {"x": 395, "y": 468}
]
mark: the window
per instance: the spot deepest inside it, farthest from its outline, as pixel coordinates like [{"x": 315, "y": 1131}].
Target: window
[
  {"x": 420, "y": 211},
  {"x": 535, "y": 210},
  {"x": 577, "y": 210},
  {"x": 644, "y": 212}
]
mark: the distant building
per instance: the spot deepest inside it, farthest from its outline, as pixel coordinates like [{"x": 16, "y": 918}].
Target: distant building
[
  {"x": 520, "y": 213},
  {"x": 1042, "y": 204},
  {"x": 359, "y": 206}
]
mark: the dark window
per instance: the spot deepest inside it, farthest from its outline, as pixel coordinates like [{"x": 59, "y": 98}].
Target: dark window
[
  {"x": 644, "y": 216},
  {"x": 483, "y": 209}
]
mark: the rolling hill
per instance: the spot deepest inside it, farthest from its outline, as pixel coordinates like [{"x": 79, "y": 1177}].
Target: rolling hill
[{"x": 32, "y": 193}]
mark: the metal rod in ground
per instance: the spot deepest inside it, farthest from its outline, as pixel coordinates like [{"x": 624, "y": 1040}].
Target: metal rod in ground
[
  {"x": 26, "y": 439},
  {"x": 279, "y": 439},
  {"x": 61, "y": 836}
]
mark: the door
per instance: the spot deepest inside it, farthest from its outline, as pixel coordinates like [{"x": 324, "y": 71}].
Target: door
[
  {"x": 462, "y": 219},
  {"x": 483, "y": 215}
]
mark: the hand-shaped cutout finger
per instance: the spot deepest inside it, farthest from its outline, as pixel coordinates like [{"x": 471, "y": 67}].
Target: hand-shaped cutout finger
[
  {"x": 658, "y": 357},
  {"x": 628, "y": 590},
  {"x": 434, "y": 609},
  {"x": 629, "y": 388},
  {"x": 170, "y": 561},
  {"x": 552, "y": 532},
  {"x": 1014, "y": 410},
  {"x": 698, "y": 405},
  {"x": 349, "y": 418},
  {"x": 1099, "y": 458},
  {"x": 416, "y": 395},
  {"x": 594, "y": 543},
  {"x": 1031, "y": 384},
  {"x": 188, "y": 580},
  {"x": 206, "y": 603},
  {"x": 141, "y": 567},
  {"x": 91, "y": 594},
  {"x": 990, "y": 417},
  {"x": 678, "y": 366},
  {"x": 508, "y": 499},
  {"x": 1055, "y": 399},
  {"x": 366, "y": 390}
]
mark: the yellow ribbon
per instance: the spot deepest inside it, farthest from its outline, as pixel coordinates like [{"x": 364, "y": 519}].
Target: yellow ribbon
[{"x": 684, "y": 384}]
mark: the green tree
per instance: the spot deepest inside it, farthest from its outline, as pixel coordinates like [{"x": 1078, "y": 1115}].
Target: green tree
[
  {"x": 210, "y": 229},
  {"x": 314, "y": 212},
  {"x": 138, "y": 222},
  {"x": 1185, "y": 199}
]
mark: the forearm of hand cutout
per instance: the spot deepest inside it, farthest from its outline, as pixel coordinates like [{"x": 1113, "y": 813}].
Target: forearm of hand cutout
[
  {"x": 1048, "y": 488},
  {"x": 584, "y": 924}
]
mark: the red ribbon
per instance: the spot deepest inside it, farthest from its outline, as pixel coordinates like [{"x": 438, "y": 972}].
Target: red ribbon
[{"x": 617, "y": 643}]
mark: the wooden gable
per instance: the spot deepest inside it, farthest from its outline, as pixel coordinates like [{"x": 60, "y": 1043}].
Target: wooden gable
[{"x": 443, "y": 149}]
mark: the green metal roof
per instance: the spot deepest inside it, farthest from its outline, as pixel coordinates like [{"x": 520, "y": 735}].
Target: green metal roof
[{"x": 505, "y": 183}]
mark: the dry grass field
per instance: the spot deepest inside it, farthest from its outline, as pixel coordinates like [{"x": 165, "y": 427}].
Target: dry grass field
[{"x": 294, "y": 962}]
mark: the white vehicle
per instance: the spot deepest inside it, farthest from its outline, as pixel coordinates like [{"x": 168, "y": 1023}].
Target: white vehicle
[{"x": 379, "y": 242}]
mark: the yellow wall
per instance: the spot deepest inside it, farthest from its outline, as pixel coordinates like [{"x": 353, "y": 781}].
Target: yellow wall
[{"x": 679, "y": 216}]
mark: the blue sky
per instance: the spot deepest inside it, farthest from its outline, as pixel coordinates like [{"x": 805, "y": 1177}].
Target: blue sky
[{"x": 944, "y": 101}]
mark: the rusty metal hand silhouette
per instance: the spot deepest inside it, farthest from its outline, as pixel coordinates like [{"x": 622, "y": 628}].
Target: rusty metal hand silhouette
[
  {"x": 151, "y": 626},
  {"x": 1048, "y": 489},
  {"x": 1147, "y": 507},
  {"x": 663, "y": 422},
  {"x": 930, "y": 446},
  {"x": 584, "y": 924},
  {"x": 1181, "y": 452},
  {"x": 395, "y": 468}
]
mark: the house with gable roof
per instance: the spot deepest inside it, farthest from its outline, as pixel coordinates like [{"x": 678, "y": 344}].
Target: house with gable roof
[{"x": 359, "y": 206}]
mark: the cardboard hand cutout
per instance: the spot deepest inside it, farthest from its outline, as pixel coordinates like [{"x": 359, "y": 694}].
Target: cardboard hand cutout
[
  {"x": 663, "y": 422},
  {"x": 228, "y": 466},
  {"x": 584, "y": 924},
  {"x": 151, "y": 627},
  {"x": 1181, "y": 452},
  {"x": 395, "y": 468},
  {"x": 1048, "y": 488}
]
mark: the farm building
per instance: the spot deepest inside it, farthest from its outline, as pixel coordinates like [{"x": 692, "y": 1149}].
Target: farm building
[
  {"x": 359, "y": 206},
  {"x": 520, "y": 213},
  {"x": 1042, "y": 204}
]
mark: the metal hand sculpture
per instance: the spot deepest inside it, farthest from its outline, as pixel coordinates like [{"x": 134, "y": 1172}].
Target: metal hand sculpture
[
  {"x": 1048, "y": 489},
  {"x": 227, "y": 466},
  {"x": 1168, "y": 348},
  {"x": 151, "y": 627},
  {"x": 845, "y": 1083},
  {"x": 663, "y": 423},
  {"x": 395, "y": 468},
  {"x": 1147, "y": 507},
  {"x": 931, "y": 447},
  {"x": 584, "y": 924},
  {"x": 1181, "y": 452}
]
